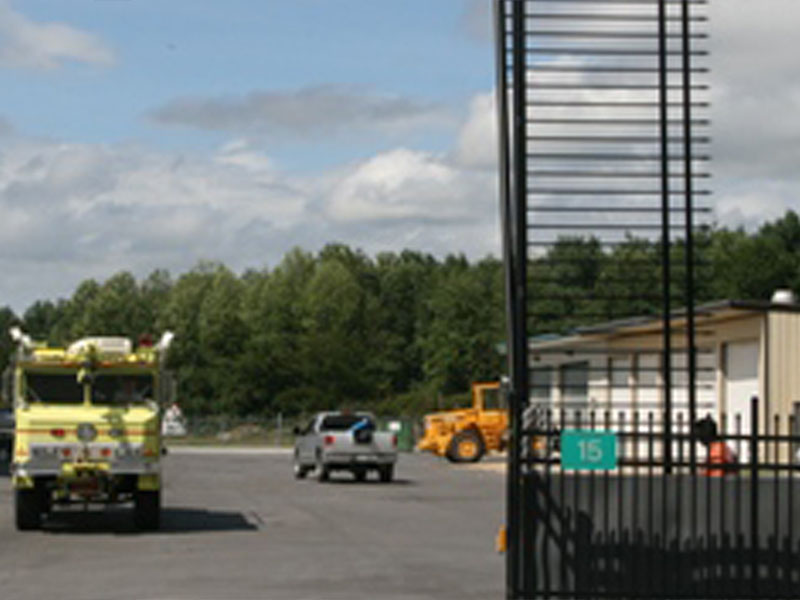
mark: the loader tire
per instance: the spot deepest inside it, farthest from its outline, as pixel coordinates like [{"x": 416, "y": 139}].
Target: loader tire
[{"x": 466, "y": 447}]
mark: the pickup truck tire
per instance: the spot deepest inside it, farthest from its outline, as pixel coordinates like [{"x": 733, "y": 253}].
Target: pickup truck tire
[
  {"x": 147, "y": 510},
  {"x": 466, "y": 447},
  {"x": 28, "y": 508},
  {"x": 322, "y": 471},
  {"x": 300, "y": 471},
  {"x": 386, "y": 473}
]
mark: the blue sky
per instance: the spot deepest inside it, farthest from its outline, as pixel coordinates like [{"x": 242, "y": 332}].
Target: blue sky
[
  {"x": 188, "y": 48},
  {"x": 145, "y": 134}
]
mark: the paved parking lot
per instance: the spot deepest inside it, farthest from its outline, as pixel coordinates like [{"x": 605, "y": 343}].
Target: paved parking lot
[{"x": 237, "y": 525}]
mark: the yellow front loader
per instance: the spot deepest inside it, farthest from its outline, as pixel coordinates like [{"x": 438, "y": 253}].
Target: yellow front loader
[{"x": 466, "y": 434}]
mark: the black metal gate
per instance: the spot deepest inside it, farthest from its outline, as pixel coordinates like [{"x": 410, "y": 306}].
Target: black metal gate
[{"x": 603, "y": 117}]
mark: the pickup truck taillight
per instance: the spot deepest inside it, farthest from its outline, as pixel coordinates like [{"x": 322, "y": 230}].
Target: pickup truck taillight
[
  {"x": 394, "y": 440},
  {"x": 328, "y": 440}
]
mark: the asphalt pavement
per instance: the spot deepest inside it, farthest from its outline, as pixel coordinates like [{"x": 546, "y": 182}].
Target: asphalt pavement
[{"x": 237, "y": 525}]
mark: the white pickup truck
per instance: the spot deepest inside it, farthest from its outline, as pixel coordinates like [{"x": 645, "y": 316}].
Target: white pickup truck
[{"x": 339, "y": 441}]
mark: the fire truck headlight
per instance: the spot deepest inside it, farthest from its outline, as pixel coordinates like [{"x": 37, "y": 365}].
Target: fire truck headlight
[{"x": 86, "y": 432}]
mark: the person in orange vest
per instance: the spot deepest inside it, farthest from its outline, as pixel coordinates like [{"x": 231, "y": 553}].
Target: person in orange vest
[{"x": 721, "y": 458}]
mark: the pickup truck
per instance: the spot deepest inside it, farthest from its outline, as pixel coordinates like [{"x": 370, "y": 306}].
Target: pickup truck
[{"x": 339, "y": 441}]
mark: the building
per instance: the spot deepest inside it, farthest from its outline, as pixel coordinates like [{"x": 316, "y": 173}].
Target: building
[{"x": 614, "y": 369}]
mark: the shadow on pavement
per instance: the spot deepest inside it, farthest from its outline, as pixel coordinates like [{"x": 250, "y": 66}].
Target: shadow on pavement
[{"x": 120, "y": 521}]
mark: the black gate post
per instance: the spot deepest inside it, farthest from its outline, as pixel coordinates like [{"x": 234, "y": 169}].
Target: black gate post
[{"x": 513, "y": 184}]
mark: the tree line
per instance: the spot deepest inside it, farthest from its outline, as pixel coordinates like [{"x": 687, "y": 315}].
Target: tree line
[{"x": 399, "y": 333}]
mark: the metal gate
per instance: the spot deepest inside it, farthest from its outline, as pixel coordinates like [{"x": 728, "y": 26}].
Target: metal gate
[{"x": 603, "y": 117}]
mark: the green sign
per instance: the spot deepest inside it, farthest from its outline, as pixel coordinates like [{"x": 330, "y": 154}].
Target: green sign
[{"x": 588, "y": 450}]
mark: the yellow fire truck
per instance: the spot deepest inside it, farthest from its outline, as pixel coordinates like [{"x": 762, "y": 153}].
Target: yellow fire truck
[{"x": 87, "y": 426}]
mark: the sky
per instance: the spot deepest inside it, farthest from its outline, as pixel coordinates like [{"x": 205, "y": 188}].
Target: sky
[{"x": 145, "y": 134}]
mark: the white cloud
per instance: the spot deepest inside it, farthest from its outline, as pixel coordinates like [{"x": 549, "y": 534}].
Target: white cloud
[
  {"x": 27, "y": 44},
  {"x": 73, "y": 211},
  {"x": 309, "y": 113},
  {"x": 477, "y": 140},
  {"x": 401, "y": 185}
]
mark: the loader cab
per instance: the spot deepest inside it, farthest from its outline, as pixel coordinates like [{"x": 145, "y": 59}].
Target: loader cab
[{"x": 488, "y": 396}]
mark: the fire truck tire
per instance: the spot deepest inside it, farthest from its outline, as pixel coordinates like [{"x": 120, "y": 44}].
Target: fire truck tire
[
  {"x": 28, "y": 509},
  {"x": 466, "y": 447},
  {"x": 147, "y": 510}
]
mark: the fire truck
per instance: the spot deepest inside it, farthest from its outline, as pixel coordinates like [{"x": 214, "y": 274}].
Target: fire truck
[{"x": 87, "y": 426}]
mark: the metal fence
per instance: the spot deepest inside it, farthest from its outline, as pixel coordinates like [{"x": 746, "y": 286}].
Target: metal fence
[
  {"x": 603, "y": 117},
  {"x": 226, "y": 429},
  {"x": 713, "y": 526},
  {"x": 273, "y": 431}
]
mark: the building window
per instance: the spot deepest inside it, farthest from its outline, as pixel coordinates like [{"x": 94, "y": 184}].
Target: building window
[
  {"x": 542, "y": 385},
  {"x": 575, "y": 384}
]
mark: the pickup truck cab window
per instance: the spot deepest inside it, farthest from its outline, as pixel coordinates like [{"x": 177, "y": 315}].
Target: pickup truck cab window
[{"x": 345, "y": 422}]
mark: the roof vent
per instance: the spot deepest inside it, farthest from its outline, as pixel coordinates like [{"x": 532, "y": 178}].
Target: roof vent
[{"x": 783, "y": 297}]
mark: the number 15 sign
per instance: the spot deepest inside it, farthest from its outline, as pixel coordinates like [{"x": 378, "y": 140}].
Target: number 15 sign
[{"x": 588, "y": 450}]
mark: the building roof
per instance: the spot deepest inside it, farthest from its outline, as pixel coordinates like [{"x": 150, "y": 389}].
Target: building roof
[{"x": 717, "y": 310}]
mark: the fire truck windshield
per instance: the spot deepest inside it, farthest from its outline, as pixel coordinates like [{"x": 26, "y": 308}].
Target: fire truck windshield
[
  {"x": 121, "y": 390},
  {"x": 53, "y": 389}
]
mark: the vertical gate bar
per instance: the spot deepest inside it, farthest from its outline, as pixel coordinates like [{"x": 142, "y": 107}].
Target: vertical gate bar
[
  {"x": 650, "y": 542},
  {"x": 679, "y": 498},
  {"x": 707, "y": 569},
  {"x": 562, "y": 541},
  {"x": 789, "y": 548},
  {"x": 621, "y": 550},
  {"x": 665, "y": 233},
  {"x": 592, "y": 559},
  {"x": 727, "y": 570},
  {"x": 606, "y": 517},
  {"x": 688, "y": 181},
  {"x": 738, "y": 503},
  {"x": 635, "y": 502},
  {"x": 776, "y": 508},
  {"x": 666, "y": 474},
  {"x": 790, "y": 517},
  {"x": 547, "y": 582},
  {"x": 576, "y": 502},
  {"x": 754, "y": 483},
  {"x": 722, "y": 570}
]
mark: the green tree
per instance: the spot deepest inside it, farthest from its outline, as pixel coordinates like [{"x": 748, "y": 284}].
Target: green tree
[{"x": 460, "y": 344}]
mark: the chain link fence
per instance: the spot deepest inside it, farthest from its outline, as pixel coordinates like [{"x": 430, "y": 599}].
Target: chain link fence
[{"x": 275, "y": 431}]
